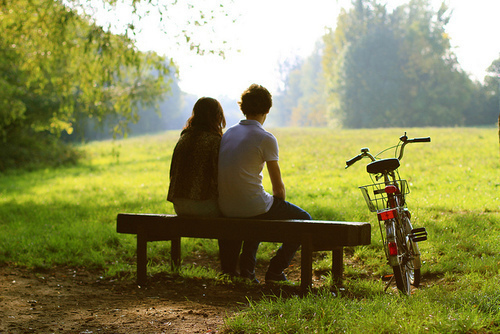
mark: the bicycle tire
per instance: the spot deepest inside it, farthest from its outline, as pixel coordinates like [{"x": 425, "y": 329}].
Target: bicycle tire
[
  {"x": 416, "y": 278},
  {"x": 393, "y": 235},
  {"x": 404, "y": 272},
  {"x": 414, "y": 253},
  {"x": 402, "y": 280}
]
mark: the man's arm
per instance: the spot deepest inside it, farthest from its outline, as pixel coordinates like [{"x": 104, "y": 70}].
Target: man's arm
[{"x": 274, "y": 171}]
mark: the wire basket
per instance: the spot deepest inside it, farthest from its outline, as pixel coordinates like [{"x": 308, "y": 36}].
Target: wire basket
[{"x": 376, "y": 197}]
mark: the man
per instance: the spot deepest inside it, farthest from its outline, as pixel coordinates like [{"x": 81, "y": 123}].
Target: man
[{"x": 245, "y": 149}]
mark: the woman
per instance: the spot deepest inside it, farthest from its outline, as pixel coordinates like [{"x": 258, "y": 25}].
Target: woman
[{"x": 193, "y": 171}]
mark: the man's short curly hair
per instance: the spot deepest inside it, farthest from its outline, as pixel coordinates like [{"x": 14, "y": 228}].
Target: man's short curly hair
[{"x": 256, "y": 100}]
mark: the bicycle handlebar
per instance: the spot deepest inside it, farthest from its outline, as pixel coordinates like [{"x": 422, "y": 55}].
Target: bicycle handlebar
[
  {"x": 353, "y": 160},
  {"x": 365, "y": 151},
  {"x": 420, "y": 140},
  {"x": 409, "y": 141}
]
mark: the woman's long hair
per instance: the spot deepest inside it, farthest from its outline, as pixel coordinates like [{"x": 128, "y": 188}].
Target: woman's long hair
[{"x": 207, "y": 115}]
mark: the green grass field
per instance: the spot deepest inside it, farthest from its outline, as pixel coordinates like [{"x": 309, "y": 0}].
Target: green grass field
[{"x": 67, "y": 216}]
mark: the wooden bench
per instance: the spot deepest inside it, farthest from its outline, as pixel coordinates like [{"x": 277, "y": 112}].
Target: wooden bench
[{"x": 313, "y": 236}]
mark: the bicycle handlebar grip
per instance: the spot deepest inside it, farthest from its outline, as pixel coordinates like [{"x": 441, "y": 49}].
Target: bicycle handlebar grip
[
  {"x": 348, "y": 163},
  {"x": 421, "y": 140}
]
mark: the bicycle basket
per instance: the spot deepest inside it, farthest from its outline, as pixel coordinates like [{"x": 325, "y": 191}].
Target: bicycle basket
[{"x": 376, "y": 197}]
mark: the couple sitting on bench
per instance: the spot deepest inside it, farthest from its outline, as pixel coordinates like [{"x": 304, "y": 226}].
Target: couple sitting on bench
[{"x": 214, "y": 174}]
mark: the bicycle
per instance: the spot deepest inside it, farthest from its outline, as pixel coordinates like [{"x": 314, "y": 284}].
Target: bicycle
[{"x": 388, "y": 200}]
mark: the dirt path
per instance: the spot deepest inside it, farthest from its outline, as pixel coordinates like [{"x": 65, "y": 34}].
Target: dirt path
[
  {"x": 77, "y": 301},
  {"x": 66, "y": 300}
]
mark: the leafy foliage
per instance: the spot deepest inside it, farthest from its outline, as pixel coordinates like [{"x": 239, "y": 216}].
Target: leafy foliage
[
  {"x": 63, "y": 64},
  {"x": 59, "y": 68}
]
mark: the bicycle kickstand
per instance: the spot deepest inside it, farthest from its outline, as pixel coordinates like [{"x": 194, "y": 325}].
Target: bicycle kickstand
[{"x": 388, "y": 282}]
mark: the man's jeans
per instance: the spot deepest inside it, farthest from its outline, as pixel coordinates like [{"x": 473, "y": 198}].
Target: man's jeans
[{"x": 280, "y": 209}]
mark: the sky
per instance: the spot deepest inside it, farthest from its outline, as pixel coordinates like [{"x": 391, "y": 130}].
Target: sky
[{"x": 269, "y": 31}]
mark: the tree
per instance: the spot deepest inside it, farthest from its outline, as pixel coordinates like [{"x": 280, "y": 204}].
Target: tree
[
  {"x": 62, "y": 65},
  {"x": 395, "y": 68},
  {"x": 371, "y": 78},
  {"x": 58, "y": 65},
  {"x": 167, "y": 114},
  {"x": 335, "y": 44},
  {"x": 301, "y": 99},
  {"x": 311, "y": 104},
  {"x": 66, "y": 65},
  {"x": 492, "y": 88},
  {"x": 288, "y": 91}
]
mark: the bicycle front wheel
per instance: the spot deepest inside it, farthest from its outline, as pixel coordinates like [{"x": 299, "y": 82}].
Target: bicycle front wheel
[{"x": 413, "y": 251}]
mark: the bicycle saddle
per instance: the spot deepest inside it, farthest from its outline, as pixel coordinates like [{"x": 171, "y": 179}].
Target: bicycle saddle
[{"x": 382, "y": 166}]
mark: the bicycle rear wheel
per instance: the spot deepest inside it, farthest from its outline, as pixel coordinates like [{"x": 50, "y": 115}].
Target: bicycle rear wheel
[
  {"x": 402, "y": 277},
  {"x": 407, "y": 271}
]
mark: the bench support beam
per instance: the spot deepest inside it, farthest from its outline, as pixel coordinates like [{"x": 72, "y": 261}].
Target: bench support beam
[
  {"x": 337, "y": 265},
  {"x": 142, "y": 256},
  {"x": 306, "y": 264},
  {"x": 175, "y": 253}
]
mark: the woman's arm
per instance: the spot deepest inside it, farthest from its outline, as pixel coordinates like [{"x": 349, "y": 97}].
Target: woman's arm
[{"x": 274, "y": 171}]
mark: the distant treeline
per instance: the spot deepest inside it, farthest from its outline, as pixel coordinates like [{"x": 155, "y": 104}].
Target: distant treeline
[
  {"x": 380, "y": 68},
  {"x": 65, "y": 79}
]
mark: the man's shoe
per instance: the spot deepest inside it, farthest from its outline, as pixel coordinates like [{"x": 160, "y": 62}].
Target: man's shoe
[
  {"x": 273, "y": 278},
  {"x": 231, "y": 274},
  {"x": 250, "y": 277}
]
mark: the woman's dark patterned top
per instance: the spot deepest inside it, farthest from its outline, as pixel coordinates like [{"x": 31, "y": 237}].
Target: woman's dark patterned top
[{"x": 193, "y": 171}]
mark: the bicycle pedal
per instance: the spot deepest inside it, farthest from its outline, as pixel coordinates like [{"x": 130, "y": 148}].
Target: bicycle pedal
[
  {"x": 418, "y": 234},
  {"x": 387, "y": 278}
]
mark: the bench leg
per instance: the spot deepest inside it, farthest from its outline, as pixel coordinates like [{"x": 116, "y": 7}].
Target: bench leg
[
  {"x": 175, "y": 254},
  {"x": 337, "y": 265},
  {"x": 142, "y": 257},
  {"x": 306, "y": 265}
]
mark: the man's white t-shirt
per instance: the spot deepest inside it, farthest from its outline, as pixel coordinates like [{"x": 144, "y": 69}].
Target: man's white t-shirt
[{"x": 244, "y": 149}]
